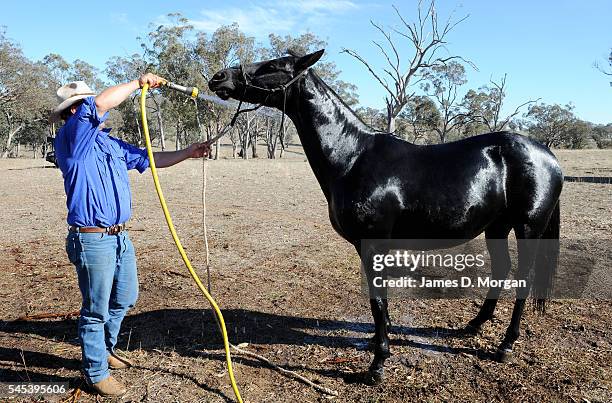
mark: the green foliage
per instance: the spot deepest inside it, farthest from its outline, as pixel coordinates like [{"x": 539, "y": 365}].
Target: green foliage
[
  {"x": 372, "y": 117},
  {"x": 62, "y": 72},
  {"x": 443, "y": 82},
  {"x": 419, "y": 120},
  {"x": 602, "y": 135},
  {"x": 26, "y": 97},
  {"x": 557, "y": 126}
]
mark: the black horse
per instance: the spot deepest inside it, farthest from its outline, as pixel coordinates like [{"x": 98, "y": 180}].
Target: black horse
[{"x": 380, "y": 187}]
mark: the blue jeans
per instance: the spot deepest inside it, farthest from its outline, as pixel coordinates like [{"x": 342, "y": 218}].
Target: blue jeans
[{"x": 108, "y": 280}]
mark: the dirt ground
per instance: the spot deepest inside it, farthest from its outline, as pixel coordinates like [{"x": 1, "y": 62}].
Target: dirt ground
[{"x": 289, "y": 286}]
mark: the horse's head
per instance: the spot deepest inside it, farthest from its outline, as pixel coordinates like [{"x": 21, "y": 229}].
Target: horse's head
[{"x": 262, "y": 82}]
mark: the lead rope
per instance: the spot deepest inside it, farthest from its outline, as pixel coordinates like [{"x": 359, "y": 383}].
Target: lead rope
[{"x": 206, "y": 250}]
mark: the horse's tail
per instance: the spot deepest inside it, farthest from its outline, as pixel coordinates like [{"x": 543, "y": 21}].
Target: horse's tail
[{"x": 547, "y": 261}]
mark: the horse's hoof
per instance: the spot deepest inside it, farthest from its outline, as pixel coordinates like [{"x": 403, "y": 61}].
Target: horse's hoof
[
  {"x": 504, "y": 355},
  {"x": 470, "y": 330},
  {"x": 353, "y": 378},
  {"x": 369, "y": 378},
  {"x": 372, "y": 378}
]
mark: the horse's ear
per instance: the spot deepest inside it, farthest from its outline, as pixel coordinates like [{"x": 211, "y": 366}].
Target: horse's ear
[{"x": 304, "y": 62}]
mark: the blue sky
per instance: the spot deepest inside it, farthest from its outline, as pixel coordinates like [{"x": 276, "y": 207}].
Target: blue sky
[{"x": 547, "y": 48}]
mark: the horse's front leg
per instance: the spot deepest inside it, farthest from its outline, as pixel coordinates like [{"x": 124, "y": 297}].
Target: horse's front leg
[
  {"x": 380, "y": 313},
  {"x": 381, "y": 341},
  {"x": 372, "y": 342}
]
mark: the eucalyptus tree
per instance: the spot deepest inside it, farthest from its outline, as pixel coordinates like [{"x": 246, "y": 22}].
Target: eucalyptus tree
[
  {"x": 372, "y": 117},
  {"x": 169, "y": 52},
  {"x": 602, "y": 135},
  {"x": 486, "y": 105},
  {"x": 225, "y": 47},
  {"x": 22, "y": 104},
  {"x": 422, "y": 118},
  {"x": 444, "y": 81},
  {"x": 550, "y": 124}
]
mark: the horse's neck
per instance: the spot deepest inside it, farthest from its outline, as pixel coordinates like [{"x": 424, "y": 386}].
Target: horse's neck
[{"x": 331, "y": 134}]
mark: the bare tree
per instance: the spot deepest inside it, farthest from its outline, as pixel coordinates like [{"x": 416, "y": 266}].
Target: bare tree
[
  {"x": 245, "y": 133},
  {"x": 427, "y": 39},
  {"x": 606, "y": 71},
  {"x": 270, "y": 136}
]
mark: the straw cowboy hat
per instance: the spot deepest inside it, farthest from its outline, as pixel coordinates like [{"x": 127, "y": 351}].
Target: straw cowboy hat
[{"x": 68, "y": 95}]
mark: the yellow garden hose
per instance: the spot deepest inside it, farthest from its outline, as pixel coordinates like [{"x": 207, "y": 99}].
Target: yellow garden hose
[{"x": 160, "y": 194}]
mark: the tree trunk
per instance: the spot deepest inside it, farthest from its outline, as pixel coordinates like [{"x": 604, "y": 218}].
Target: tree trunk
[
  {"x": 254, "y": 139},
  {"x": 234, "y": 147},
  {"x": 217, "y": 146},
  {"x": 245, "y": 138},
  {"x": 177, "y": 140},
  {"x": 9, "y": 139},
  {"x": 160, "y": 122},
  {"x": 137, "y": 118},
  {"x": 390, "y": 118},
  {"x": 270, "y": 139},
  {"x": 254, "y": 147}
]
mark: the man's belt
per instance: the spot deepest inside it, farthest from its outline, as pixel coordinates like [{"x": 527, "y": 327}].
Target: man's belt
[{"x": 112, "y": 230}]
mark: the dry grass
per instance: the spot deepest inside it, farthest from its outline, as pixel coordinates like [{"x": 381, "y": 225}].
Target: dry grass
[{"x": 289, "y": 286}]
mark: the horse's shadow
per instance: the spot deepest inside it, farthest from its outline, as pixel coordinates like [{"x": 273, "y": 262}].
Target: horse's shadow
[{"x": 190, "y": 331}]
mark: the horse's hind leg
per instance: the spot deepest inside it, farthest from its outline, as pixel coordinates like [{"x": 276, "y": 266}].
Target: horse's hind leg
[
  {"x": 527, "y": 246},
  {"x": 497, "y": 245}
]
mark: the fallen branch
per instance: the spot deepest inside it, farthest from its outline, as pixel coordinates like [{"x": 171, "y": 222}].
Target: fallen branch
[
  {"x": 74, "y": 395},
  {"x": 285, "y": 372},
  {"x": 49, "y": 315}
]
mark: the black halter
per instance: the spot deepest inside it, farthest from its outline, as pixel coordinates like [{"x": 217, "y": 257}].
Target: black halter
[{"x": 269, "y": 92}]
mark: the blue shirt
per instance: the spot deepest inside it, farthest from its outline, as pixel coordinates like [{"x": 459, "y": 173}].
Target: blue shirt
[{"x": 94, "y": 166}]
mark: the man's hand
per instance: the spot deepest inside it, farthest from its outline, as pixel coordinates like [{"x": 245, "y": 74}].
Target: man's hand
[
  {"x": 151, "y": 79},
  {"x": 198, "y": 150},
  {"x": 164, "y": 159}
]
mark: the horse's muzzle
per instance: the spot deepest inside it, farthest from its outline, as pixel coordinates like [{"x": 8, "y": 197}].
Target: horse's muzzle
[{"x": 222, "y": 84}]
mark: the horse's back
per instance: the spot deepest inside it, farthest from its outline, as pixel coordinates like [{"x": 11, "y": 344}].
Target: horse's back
[{"x": 455, "y": 188}]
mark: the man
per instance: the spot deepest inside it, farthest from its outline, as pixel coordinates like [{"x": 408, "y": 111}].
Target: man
[{"x": 95, "y": 170}]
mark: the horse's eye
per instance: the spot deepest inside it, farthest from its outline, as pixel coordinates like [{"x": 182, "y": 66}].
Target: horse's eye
[{"x": 267, "y": 69}]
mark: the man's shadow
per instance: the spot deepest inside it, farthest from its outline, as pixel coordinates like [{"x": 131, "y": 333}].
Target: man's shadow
[{"x": 189, "y": 331}]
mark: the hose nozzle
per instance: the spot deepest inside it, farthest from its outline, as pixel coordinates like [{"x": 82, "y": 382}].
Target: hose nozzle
[{"x": 189, "y": 91}]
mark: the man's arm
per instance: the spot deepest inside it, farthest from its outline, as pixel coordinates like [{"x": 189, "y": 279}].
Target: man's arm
[
  {"x": 113, "y": 96},
  {"x": 164, "y": 159}
]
